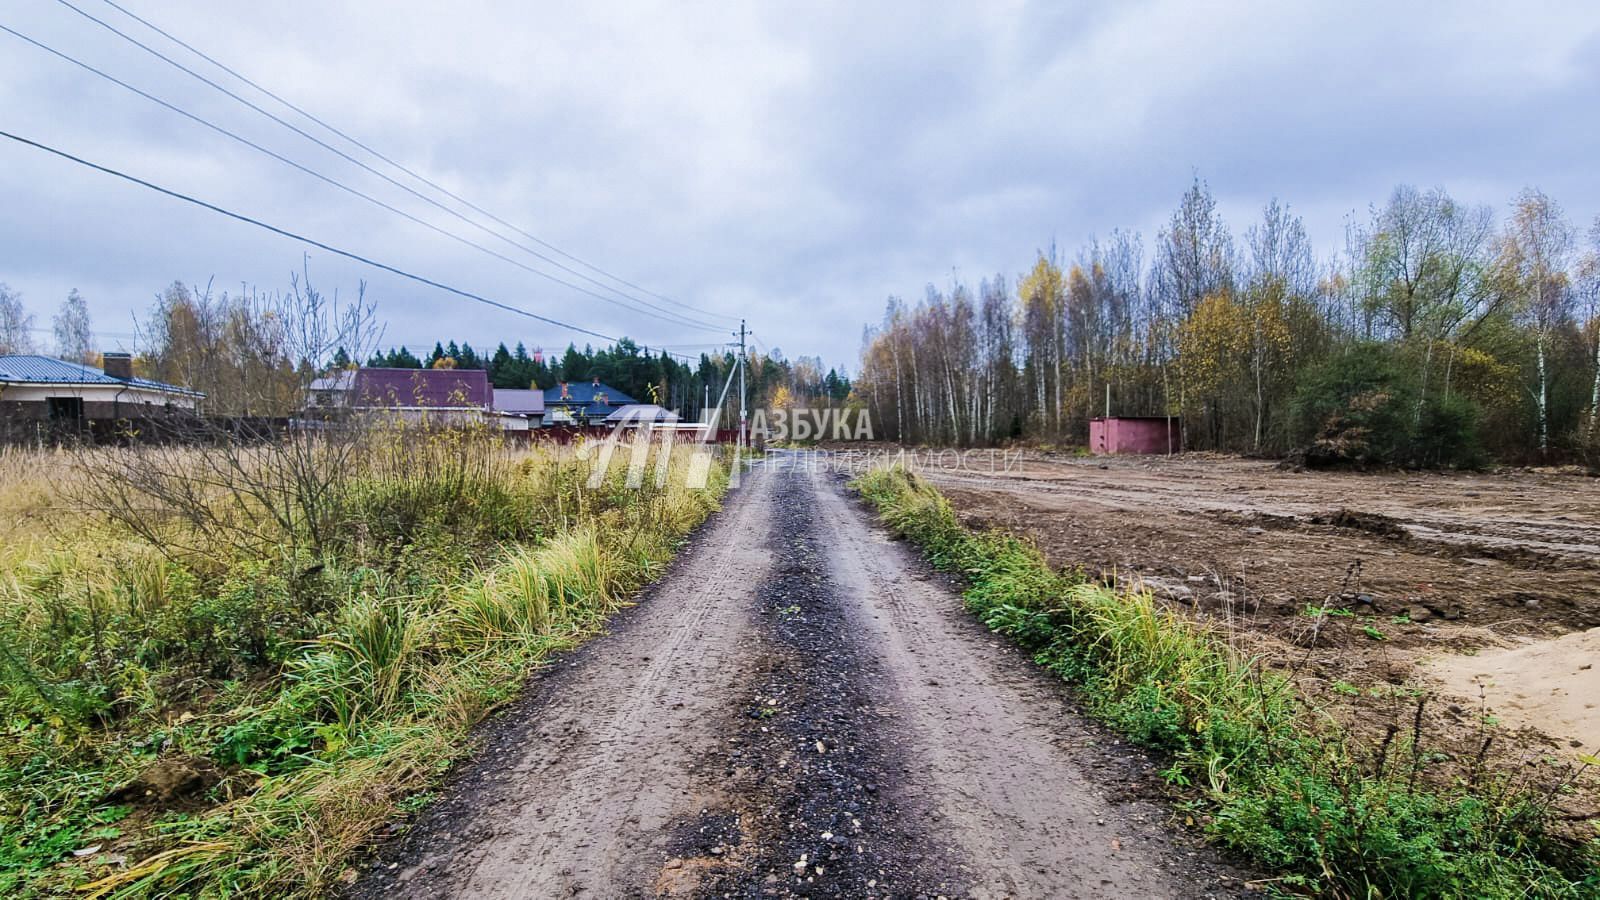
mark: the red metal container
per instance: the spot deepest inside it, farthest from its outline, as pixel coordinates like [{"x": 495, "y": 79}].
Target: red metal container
[{"x": 1134, "y": 434}]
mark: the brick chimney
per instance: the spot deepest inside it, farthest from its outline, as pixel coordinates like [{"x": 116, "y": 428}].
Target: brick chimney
[{"x": 118, "y": 365}]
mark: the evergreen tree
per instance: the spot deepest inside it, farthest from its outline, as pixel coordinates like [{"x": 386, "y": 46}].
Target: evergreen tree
[
  {"x": 575, "y": 366},
  {"x": 503, "y": 370}
]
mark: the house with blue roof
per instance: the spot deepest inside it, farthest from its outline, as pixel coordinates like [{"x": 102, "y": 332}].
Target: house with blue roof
[
  {"x": 45, "y": 389},
  {"x": 582, "y": 404}
]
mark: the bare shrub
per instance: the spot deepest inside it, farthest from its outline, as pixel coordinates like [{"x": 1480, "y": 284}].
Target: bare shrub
[{"x": 244, "y": 481}]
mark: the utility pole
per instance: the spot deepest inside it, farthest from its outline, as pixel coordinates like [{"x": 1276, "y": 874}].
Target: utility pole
[{"x": 741, "y": 384}]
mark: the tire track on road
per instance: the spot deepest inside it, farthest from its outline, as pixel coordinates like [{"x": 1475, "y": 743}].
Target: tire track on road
[
  {"x": 571, "y": 796},
  {"x": 1021, "y": 782}
]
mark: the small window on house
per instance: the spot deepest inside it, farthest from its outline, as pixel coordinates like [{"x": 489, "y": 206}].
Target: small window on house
[{"x": 65, "y": 409}]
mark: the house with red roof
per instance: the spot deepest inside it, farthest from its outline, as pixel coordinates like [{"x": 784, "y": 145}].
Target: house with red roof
[{"x": 440, "y": 396}]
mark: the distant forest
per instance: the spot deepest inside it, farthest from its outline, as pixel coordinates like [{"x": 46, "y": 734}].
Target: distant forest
[
  {"x": 1437, "y": 337},
  {"x": 648, "y": 378}
]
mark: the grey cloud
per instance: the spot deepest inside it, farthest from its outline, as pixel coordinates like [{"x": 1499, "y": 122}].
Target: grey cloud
[{"x": 792, "y": 163}]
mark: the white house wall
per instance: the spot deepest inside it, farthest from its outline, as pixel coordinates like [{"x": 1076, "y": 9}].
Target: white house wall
[{"x": 95, "y": 393}]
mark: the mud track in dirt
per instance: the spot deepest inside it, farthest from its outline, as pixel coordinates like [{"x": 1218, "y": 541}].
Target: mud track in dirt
[
  {"x": 1515, "y": 552},
  {"x": 799, "y": 708}
]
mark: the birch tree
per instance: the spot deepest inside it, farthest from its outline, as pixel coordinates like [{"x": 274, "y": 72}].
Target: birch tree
[
  {"x": 1194, "y": 254},
  {"x": 16, "y": 325},
  {"x": 1282, "y": 272},
  {"x": 74, "y": 339},
  {"x": 1532, "y": 257},
  {"x": 1588, "y": 283},
  {"x": 998, "y": 393},
  {"x": 1425, "y": 278},
  {"x": 1043, "y": 293}
]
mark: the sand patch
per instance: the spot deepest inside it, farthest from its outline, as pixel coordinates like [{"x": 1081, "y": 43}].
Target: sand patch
[{"x": 1552, "y": 685}]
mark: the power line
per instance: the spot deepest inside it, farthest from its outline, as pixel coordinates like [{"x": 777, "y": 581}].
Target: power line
[
  {"x": 352, "y": 160},
  {"x": 303, "y": 239},
  {"x": 336, "y": 131},
  {"x": 487, "y": 348},
  {"x": 666, "y": 317},
  {"x": 669, "y": 317},
  {"x": 94, "y": 331}
]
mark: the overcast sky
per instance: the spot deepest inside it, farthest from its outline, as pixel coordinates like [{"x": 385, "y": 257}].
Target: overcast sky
[{"x": 794, "y": 164}]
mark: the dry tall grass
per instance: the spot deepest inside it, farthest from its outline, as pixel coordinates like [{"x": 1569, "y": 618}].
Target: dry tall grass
[
  {"x": 34, "y": 486},
  {"x": 320, "y": 690}
]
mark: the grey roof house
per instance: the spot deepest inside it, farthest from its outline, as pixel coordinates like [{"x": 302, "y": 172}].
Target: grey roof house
[
  {"x": 640, "y": 413},
  {"x": 519, "y": 409},
  {"x": 42, "y": 388},
  {"x": 519, "y": 402}
]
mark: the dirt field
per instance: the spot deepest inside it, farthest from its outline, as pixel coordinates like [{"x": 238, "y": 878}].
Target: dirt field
[
  {"x": 799, "y": 708},
  {"x": 1479, "y": 590}
]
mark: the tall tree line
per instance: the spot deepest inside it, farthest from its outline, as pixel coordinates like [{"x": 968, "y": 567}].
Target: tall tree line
[{"x": 1488, "y": 333}]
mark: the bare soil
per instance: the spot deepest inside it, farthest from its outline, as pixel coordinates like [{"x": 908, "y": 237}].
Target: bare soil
[
  {"x": 1551, "y": 685},
  {"x": 798, "y": 709},
  {"x": 1471, "y": 590}
]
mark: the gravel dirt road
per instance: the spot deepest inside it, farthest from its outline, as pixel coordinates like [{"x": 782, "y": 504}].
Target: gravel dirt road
[{"x": 799, "y": 708}]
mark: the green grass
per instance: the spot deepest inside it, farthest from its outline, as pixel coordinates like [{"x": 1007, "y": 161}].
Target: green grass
[
  {"x": 314, "y": 698},
  {"x": 1272, "y": 777}
]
